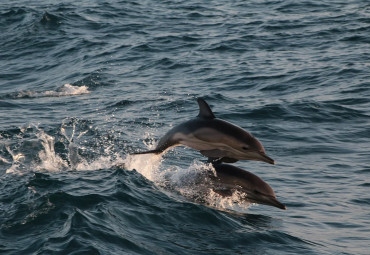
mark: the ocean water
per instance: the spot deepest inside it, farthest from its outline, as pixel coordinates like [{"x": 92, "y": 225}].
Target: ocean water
[{"x": 85, "y": 83}]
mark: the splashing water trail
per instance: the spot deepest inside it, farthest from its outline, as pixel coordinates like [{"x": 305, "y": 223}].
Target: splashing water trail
[
  {"x": 66, "y": 151},
  {"x": 49, "y": 160},
  {"x": 41, "y": 151}
]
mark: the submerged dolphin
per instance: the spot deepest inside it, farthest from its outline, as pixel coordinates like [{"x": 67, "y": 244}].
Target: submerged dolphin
[
  {"x": 229, "y": 179},
  {"x": 214, "y": 138}
]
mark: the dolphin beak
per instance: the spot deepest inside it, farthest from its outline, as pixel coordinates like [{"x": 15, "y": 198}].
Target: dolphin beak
[
  {"x": 266, "y": 159},
  {"x": 267, "y": 200}
]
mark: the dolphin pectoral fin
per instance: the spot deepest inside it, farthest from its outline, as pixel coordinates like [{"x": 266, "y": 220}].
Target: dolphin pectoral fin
[
  {"x": 216, "y": 153},
  {"x": 147, "y": 152},
  {"x": 228, "y": 160}
]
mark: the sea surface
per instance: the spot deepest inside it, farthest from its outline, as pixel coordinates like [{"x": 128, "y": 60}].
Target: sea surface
[{"x": 85, "y": 83}]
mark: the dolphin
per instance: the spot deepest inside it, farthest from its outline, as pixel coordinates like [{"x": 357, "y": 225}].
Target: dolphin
[
  {"x": 213, "y": 138},
  {"x": 228, "y": 179}
]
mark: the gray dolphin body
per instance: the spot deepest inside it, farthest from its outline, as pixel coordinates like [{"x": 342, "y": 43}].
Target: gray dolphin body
[
  {"x": 213, "y": 138},
  {"x": 229, "y": 178}
]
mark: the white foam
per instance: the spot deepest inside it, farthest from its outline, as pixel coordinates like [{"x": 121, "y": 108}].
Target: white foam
[
  {"x": 146, "y": 164},
  {"x": 68, "y": 90},
  {"x": 48, "y": 159},
  {"x": 17, "y": 161},
  {"x": 235, "y": 202},
  {"x": 65, "y": 90}
]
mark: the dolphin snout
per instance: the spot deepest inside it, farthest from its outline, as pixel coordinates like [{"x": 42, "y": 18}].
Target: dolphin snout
[{"x": 266, "y": 158}]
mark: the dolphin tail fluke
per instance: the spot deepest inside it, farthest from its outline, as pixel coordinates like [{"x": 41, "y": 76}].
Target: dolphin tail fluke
[{"x": 147, "y": 152}]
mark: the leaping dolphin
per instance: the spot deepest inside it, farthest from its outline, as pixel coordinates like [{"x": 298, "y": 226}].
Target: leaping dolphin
[
  {"x": 213, "y": 138},
  {"x": 228, "y": 179}
]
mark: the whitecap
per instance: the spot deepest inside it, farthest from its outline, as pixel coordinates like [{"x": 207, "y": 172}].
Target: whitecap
[{"x": 64, "y": 90}]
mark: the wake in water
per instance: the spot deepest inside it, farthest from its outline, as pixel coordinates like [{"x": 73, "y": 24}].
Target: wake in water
[
  {"x": 64, "y": 90},
  {"x": 39, "y": 151}
]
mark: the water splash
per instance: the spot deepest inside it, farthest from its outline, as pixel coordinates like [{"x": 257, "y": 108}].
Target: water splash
[
  {"x": 49, "y": 160},
  {"x": 64, "y": 90},
  {"x": 68, "y": 90},
  {"x": 193, "y": 183},
  {"x": 64, "y": 150},
  {"x": 147, "y": 165},
  {"x": 234, "y": 203},
  {"x": 17, "y": 159},
  {"x": 69, "y": 133}
]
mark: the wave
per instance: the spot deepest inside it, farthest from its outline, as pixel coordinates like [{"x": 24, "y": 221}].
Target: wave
[
  {"x": 346, "y": 109},
  {"x": 114, "y": 208}
]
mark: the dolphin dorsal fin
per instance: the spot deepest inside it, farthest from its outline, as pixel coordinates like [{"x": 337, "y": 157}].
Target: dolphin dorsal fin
[{"x": 204, "y": 110}]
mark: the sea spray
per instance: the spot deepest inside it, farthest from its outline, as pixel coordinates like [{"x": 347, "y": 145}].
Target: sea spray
[
  {"x": 49, "y": 160},
  {"x": 40, "y": 150},
  {"x": 17, "y": 159},
  {"x": 193, "y": 183},
  {"x": 73, "y": 156},
  {"x": 146, "y": 164}
]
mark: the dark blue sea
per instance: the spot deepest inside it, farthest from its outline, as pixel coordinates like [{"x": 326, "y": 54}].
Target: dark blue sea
[{"x": 85, "y": 83}]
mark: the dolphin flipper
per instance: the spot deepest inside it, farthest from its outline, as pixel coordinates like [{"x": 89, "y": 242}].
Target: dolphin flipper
[
  {"x": 216, "y": 153},
  {"x": 228, "y": 160}
]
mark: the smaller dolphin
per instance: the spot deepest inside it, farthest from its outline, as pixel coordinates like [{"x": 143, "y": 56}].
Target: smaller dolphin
[
  {"x": 214, "y": 138},
  {"x": 229, "y": 178}
]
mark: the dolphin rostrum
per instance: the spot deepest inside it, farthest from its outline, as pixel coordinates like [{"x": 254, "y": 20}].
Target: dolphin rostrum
[
  {"x": 213, "y": 138},
  {"x": 228, "y": 179}
]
